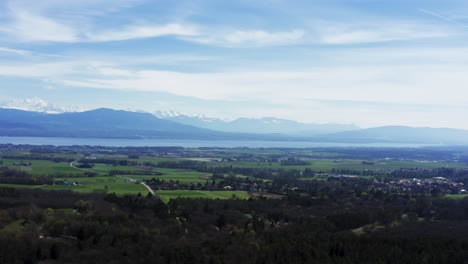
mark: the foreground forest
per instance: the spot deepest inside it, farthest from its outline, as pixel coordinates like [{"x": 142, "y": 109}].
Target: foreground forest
[
  {"x": 284, "y": 206},
  {"x": 65, "y": 227}
]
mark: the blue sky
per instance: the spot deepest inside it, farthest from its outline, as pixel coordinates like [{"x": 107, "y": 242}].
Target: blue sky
[{"x": 366, "y": 62}]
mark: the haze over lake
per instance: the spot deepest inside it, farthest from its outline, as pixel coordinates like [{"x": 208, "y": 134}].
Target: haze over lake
[{"x": 58, "y": 141}]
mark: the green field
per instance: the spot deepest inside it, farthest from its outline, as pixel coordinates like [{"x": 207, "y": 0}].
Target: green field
[
  {"x": 42, "y": 167},
  {"x": 183, "y": 176},
  {"x": 456, "y": 196},
  {"x": 13, "y": 227},
  {"x": 167, "y": 195},
  {"x": 20, "y": 186},
  {"x": 104, "y": 184}
]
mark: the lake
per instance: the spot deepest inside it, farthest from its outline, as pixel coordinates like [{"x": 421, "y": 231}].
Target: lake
[{"x": 57, "y": 141}]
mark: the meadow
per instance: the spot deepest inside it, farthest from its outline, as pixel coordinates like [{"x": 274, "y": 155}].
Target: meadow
[{"x": 167, "y": 195}]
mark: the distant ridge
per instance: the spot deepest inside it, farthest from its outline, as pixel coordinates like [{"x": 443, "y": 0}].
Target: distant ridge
[
  {"x": 402, "y": 134},
  {"x": 105, "y": 123},
  {"x": 266, "y": 125},
  {"x": 109, "y": 123}
]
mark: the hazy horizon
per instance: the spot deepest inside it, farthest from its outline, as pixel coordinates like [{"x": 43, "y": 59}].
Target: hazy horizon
[{"x": 352, "y": 62}]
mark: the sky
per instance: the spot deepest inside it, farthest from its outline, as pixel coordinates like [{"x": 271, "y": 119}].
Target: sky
[{"x": 366, "y": 62}]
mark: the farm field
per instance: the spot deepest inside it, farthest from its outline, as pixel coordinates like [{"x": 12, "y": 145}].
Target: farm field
[
  {"x": 456, "y": 196},
  {"x": 41, "y": 167},
  {"x": 167, "y": 195},
  {"x": 20, "y": 186},
  {"x": 105, "y": 184},
  {"x": 181, "y": 175}
]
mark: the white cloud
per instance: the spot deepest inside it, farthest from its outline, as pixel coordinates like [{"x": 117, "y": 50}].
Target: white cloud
[
  {"x": 32, "y": 27},
  {"x": 15, "y": 51},
  {"x": 144, "y": 31},
  {"x": 249, "y": 38},
  {"x": 394, "y": 75},
  {"x": 79, "y": 21},
  {"x": 263, "y": 37},
  {"x": 377, "y": 31},
  {"x": 57, "y": 21},
  {"x": 42, "y": 70},
  {"x": 430, "y": 84}
]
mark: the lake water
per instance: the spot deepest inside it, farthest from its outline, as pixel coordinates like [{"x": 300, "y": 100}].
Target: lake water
[{"x": 56, "y": 141}]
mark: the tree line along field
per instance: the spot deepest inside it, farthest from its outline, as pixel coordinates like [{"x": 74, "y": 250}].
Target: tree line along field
[{"x": 327, "y": 164}]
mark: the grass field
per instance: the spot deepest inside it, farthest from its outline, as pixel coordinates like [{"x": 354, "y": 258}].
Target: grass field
[
  {"x": 20, "y": 186},
  {"x": 104, "y": 184},
  {"x": 456, "y": 196},
  {"x": 14, "y": 227},
  {"x": 183, "y": 176},
  {"x": 166, "y": 196},
  {"x": 42, "y": 167}
]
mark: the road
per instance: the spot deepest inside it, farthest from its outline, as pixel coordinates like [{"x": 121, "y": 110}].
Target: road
[
  {"x": 72, "y": 165},
  {"x": 147, "y": 187},
  {"x": 142, "y": 183}
]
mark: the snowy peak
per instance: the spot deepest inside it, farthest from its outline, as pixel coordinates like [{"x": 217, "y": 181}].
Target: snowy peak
[
  {"x": 265, "y": 125},
  {"x": 181, "y": 117},
  {"x": 38, "y": 105},
  {"x": 165, "y": 114}
]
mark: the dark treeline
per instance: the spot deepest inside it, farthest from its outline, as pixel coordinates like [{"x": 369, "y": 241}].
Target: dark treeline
[
  {"x": 12, "y": 176},
  {"x": 37, "y": 157},
  {"x": 116, "y": 162},
  {"x": 15, "y": 176},
  {"x": 65, "y": 227}
]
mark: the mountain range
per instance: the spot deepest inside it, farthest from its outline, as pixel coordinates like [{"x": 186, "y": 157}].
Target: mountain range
[
  {"x": 108, "y": 123},
  {"x": 35, "y": 104},
  {"x": 266, "y": 125}
]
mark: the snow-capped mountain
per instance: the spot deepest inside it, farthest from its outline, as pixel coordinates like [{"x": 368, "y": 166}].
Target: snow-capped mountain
[
  {"x": 266, "y": 125},
  {"x": 38, "y": 105},
  {"x": 167, "y": 114}
]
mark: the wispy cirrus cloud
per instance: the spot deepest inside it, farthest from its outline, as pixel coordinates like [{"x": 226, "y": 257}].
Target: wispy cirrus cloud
[
  {"x": 29, "y": 27},
  {"x": 142, "y": 31},
  {"x": 372, "y": 31},
  {"x": 253, "y": 38},
  {"x": 38, "y": 25},
  {"x": 448, "y": 19},
  {"x": 15, "y": 51},
  {"x": 53, "y": 21},
  {"x": 75, "y": 22}
]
